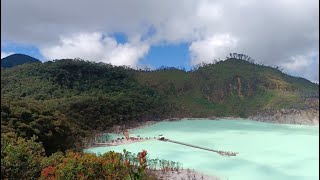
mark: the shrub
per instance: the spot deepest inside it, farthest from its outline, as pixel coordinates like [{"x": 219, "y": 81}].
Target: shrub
[{"x": 20, "y": 158}]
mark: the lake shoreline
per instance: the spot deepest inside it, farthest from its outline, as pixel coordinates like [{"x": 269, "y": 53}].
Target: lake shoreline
[
  {"x": 309, "y": 116},
  {"x": 183, "y": 174},
  {"x": 259, "y": 118}
]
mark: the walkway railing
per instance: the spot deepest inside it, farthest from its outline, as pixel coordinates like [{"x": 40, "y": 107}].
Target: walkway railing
[{"x": 223, "y": 153}]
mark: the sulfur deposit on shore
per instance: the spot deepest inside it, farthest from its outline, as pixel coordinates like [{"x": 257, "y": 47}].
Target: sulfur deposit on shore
[
  {"x": 289, "y": 116},
  {"x": 184, "y": 174}
]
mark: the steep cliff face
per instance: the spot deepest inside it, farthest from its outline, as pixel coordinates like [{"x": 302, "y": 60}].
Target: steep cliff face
[{"x": 235, "y": 86}]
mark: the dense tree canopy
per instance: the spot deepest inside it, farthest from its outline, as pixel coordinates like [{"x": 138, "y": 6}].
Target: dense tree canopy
[{"x": 62, "y": 101}]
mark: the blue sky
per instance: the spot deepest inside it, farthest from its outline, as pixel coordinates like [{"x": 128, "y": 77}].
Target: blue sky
[
  {"x": 21, "y": 49},
  {"x": 172, "y": 55},
  {"x": 176, "y": 55}
]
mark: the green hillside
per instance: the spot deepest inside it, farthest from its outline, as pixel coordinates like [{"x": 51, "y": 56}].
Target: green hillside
[
  {"x": 65, "y": 100},
  {"x": 229, "y": 88}
]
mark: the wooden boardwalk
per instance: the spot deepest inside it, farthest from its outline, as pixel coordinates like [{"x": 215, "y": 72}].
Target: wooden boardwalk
[{"x": 223, "y": 153}]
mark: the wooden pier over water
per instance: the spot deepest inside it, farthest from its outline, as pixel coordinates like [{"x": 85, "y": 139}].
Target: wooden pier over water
[{"x": 223, "y": 153}]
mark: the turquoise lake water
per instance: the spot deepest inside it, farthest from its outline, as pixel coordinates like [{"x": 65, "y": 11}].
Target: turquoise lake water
[{"x": 266, "y": 151}]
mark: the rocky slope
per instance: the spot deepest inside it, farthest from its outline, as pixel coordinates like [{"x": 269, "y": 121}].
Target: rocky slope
[{"x": 308, "y": 116}]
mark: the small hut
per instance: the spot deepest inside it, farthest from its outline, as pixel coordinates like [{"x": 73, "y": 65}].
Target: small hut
[{"x": 162, "y": 138}]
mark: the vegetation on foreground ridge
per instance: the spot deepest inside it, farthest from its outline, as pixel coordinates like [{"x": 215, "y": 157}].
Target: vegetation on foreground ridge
[{"x": 21, "y": 158}]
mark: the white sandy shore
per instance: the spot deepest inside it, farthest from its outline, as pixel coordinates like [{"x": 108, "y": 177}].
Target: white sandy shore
[
  {"x": 121, "y": 142},
  {"x": 184, "y": 174}
]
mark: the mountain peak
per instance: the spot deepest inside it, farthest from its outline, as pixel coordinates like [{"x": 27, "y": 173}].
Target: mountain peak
[{"x": 17, "y": 59}]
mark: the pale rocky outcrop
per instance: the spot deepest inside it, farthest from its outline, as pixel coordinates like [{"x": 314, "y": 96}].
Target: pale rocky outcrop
[{"x": 308, "y": 116}]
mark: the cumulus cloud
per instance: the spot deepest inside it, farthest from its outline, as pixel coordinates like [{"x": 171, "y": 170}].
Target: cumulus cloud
[
  {"x": 303, "y": 65},
  {"x": 211, "y": 48},
  {"x": 297, "y": 63},
  {"x": 270, "y": 31},
  {"x": 96, "y": 47},
  {"x": 5, "y": 54}
]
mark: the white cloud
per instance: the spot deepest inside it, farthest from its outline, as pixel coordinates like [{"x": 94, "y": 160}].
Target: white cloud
[
  {"x": 127, "y": 54},
  {"x": 96, "y": 47},
  {"x": 5, "y": 54},
  {"x": 303, "y": 65},
  {"x": 270, "y": 31},
  {"x": 209, "y": 10},
  {"x": 297, "y": 63},
  {"x": 214, "y": 47}
]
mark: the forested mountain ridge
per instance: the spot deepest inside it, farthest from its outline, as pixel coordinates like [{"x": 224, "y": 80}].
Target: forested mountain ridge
[
  {"x": 232, "y": 87},
  {"x": 64, "y": 100}
]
